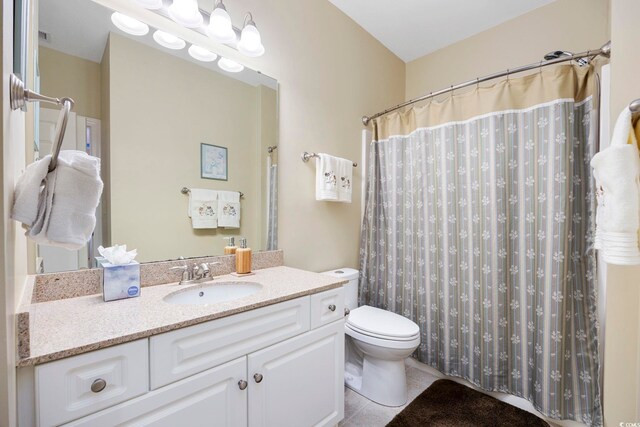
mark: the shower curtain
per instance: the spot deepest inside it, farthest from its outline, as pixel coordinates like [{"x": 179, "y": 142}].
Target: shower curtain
[
  {"x": 478, "y": 226},
  {"x": 272, "y": 205}
]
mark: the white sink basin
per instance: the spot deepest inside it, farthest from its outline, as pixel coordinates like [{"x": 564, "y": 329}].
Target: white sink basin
[{"x": 213, "y": 292}]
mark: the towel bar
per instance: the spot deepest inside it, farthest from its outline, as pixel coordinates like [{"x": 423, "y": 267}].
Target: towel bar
[
  {"x": 19, "y": 98},
  {"x": 186, "y": 190},
  {"x": 634, "y": 106},
  {"x": 306, "y": 156}
]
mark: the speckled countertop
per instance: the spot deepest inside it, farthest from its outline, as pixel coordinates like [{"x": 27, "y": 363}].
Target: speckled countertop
[{"x": 66, "y": 327}]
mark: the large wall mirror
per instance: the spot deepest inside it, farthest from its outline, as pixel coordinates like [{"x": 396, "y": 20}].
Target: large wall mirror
[{"x": 146, "y": 111}]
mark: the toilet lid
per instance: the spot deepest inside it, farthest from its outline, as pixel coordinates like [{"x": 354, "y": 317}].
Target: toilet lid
[{"x": 382, "y": 323}]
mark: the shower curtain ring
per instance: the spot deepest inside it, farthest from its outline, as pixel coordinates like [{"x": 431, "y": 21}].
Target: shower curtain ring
[
  {"x": 451, "y": 90},
  {"x": 508, "y": 71},
  {"x": 477, "y": 83}
]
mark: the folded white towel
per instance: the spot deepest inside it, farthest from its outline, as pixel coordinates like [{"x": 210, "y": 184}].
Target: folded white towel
[
  {"x": 617, "y": 174},
  {"x": 203, "y": 208},
  {"x": 345, "y": 180},
  {"x": 66, "y": 200},
  {"x": 326, "y": 177},
  {"x": 229, "y": 209}
]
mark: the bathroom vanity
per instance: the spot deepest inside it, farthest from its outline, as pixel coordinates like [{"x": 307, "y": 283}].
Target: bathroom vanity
[{"x": 273, "y": 358}]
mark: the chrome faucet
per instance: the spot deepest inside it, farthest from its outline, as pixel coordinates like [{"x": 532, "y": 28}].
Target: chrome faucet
[{"x": 196, "y": 274}]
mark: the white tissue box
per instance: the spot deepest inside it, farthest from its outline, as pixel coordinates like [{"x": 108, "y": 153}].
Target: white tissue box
[{"x": 119, "y": 281}]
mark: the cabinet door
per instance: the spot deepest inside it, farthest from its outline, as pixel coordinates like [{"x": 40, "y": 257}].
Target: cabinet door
[
  {"x": 211, "y": 398},
  {"x": 299, "y": 382}
]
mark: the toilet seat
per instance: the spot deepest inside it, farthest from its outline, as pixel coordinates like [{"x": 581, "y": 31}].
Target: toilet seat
[
  {"x": 382, "y": 324},
  {"x": 382, "y": 342}
]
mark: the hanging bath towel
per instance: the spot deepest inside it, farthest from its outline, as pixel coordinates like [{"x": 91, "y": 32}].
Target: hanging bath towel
[{"x": 617, "y": 173}]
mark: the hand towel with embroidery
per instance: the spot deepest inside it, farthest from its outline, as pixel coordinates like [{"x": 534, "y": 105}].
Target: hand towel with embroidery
[
  {"x": 345, "y": 180},
  {"x": 203, "y": 208},
  {"x": 617, "y": 173},
  {"x": 229, "y": 209},
  {"x": 326, "y": 177}
]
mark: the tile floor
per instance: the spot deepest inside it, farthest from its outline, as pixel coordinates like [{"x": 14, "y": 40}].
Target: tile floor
[{"x": 361, "y": 412}]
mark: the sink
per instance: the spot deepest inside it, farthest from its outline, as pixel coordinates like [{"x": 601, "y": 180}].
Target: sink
[{"x": 213, "y": 292}]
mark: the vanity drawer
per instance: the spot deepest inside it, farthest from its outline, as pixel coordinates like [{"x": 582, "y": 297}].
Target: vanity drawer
[
  {"x": 178, "y": 354},
  {"x": 327, "y": 307},
  {"x": 64, "y": 387}
]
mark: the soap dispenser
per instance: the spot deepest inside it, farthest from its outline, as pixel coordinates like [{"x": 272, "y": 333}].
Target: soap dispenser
[
  {"x": 231, "y": 248},
  {"x": 243, "y": 258}
]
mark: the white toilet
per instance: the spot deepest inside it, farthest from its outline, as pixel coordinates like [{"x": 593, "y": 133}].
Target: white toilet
[{"x": 377, "y": 343}]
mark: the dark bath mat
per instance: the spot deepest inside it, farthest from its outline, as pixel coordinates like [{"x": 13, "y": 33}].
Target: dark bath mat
[{"x": 449, "y": 404}]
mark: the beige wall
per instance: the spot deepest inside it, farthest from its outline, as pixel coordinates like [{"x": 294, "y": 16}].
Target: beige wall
[
  {"x": 157, "y": 122},
  {"x": 622, "y": 334},
  {"x": 330, "y": 73},
  {"x": 572, "y": 25},
  {"x": 73, "y": 77}
]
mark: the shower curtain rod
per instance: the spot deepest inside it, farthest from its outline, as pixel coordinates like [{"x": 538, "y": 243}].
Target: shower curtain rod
[{"x": 605, "y": 51}]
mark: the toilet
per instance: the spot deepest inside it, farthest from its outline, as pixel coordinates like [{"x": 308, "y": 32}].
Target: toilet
[{"x": 376, "y": 344}]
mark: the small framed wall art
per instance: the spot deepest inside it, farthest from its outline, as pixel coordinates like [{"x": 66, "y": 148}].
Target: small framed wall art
[{"x": 214, "y": 162}]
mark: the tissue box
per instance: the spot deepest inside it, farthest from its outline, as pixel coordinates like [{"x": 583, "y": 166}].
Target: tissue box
[{"x": 119, "y": 281}]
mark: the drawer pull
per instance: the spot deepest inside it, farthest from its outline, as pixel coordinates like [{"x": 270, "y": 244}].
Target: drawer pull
[
  {"x": 332, "y": 307},
  {"x": 346, "y": 311},
  {"x": 242, "y": 384},
  {"x": 257, "y": 377},
  {"x": 98, "y": 385}
]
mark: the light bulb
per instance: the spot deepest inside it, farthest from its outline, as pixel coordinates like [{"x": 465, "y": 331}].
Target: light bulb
[
  {"x": 185, "y": 12},
  {"x": 220, "y": 28},
  {"x": 129, "y": 25},
  {"x": 150, "y": 4},
  {"x": 202, "y": 54},
  {"x": 168, "y": 40},
  {"x": 230, "y": 66},
  {"x": 250, "y": 42}
]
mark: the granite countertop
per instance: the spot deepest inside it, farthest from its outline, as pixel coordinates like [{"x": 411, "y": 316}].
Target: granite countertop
[{"x": 67, "y": 327}]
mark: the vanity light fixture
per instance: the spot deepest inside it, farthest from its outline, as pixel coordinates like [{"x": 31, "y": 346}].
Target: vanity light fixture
[
  {"x": 220, "y": 28},
  {"x": 150, "y": 4},
  {"x": 250, "y": 41},
  {"x": 186, "y": 13},
  {"x": 129, "y": 25},
  {"x": 229, "y": 65},
  {"x": 202, "y": 54},
  {"x": 168, "y": 40}
]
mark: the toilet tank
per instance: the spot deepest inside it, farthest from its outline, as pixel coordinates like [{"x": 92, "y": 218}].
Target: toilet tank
[{"x": 351, "y": 288}]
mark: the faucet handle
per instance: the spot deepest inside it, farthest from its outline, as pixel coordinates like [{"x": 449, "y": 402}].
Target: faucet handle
[{"x": 185, "y": 271}]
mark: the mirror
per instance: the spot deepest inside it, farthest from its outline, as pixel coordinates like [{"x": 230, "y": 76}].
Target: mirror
[{"x": 159, "y": 120}]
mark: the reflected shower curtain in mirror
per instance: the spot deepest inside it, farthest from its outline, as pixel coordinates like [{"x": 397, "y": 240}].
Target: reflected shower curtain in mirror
[
  {"x": 272, "y": 205},
  {"x": 478, "y": 226}
]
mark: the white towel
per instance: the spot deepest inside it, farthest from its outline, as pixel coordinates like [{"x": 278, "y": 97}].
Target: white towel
[
  {"x": 203, "y": 208},
  {"x": 65, "y": 200},
  {"x": 617, "y": 174},
  {"x": 345, "y": 180},
  {"x": 229, "y": 209},
  {"x": 326, "y": 177}
]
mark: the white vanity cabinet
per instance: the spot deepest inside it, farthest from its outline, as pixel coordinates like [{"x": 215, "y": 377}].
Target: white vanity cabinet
[{"x": 268, "y": 367}]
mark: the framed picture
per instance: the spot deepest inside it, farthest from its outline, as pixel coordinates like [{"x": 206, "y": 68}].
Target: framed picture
[{"x": 213, "y": 162}]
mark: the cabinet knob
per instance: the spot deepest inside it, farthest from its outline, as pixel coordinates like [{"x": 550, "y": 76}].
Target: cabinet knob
[
  {"x": 257, "y": 377},
  {"x": 332, "y": 307},
  {"x": 98, "y": 385},
  {"x": 242, "y": 384},
  {"x": 346, "y": 311}
]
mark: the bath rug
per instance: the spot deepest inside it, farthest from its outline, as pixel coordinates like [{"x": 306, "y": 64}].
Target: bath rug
[{"x": 449, "y": 404}]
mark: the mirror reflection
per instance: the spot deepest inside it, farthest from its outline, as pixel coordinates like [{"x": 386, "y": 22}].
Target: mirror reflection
[{"x": 161, "y": 121}]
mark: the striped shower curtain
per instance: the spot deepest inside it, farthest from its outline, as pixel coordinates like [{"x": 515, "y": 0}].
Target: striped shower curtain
[{"x": 478, "y": 226}]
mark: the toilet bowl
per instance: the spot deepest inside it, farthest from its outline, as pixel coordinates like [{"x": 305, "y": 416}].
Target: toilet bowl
[{"x": 376, "y": 344}]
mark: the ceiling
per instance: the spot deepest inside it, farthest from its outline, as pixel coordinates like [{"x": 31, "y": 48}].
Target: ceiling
[{"x": 414, "y": 28}]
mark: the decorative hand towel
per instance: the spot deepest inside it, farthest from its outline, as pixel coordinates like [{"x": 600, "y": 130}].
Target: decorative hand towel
[
  {"x": 203, "y": 208},
  {"x": 66, "y": 200},
  {"x": 326, "y": 177},
  {"x": 345, "y": 180},
  {"x": 229, "y": 209},
  {"x": 617, "y": 173}
]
